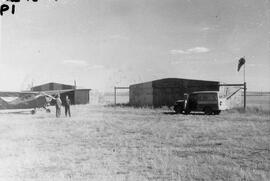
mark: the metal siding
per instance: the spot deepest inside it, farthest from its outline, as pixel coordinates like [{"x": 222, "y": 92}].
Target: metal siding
[
  {"x": 167, "y": 96},
  {"x": 57, "y": 87},
  {"x": 81, "y": 96},
  {"x": 52, "y": 86},
  {"x": 166, "y": 91},
  {"x": 141, "y": 94},
  {"x": 67, "y": 87}
]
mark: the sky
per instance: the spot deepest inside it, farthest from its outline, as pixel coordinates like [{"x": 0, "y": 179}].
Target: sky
[{"x": 107, "y": 43}]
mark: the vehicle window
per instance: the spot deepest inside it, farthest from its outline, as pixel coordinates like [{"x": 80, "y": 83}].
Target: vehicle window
[
  {"x": 207, "y": 97},
  {"x": 193, "y": 97},
  {"x": 200, "y": 97},
  {"x": 221, "y": 96}
]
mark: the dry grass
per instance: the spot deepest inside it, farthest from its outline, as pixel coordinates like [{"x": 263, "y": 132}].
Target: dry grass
[
  {"x": 259, "y": 102},
  {"x": 250, "y": 110},
  {"x": 117, "y": 143}
]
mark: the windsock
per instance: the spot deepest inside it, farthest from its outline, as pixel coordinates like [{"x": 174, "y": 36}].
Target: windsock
[{"x": 241, "y": 62}]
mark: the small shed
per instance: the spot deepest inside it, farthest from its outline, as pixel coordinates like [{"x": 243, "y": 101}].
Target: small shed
[{"x": 76, "y": 96}]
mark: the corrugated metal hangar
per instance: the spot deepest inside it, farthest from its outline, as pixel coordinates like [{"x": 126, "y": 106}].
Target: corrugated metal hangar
[
  {"x": 76, "y": 96},
  {"x": 165, "y": 92}
]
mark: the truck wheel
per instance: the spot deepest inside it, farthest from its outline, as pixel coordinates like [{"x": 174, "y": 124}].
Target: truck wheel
[
  {"x": 208, "y": 111},
  {"x": 178, "y": 109},
  {"x": 187, "y": 111},
  {"x": 217, "y": 112}
]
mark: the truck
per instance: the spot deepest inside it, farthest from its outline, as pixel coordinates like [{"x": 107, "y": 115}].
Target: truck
[{"x": 208, "y": 102}]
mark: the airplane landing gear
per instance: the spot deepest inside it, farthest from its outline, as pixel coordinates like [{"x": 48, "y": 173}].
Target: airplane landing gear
[{"x": 33, "y": 111}]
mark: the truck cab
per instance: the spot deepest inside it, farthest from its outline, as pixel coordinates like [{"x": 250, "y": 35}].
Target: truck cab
[{"x": 209, "y": 102}]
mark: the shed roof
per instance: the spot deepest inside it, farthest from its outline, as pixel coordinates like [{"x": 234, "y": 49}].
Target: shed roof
[
  {"x": 53, "y": 83},
  {"x": 173, "y": 80}
]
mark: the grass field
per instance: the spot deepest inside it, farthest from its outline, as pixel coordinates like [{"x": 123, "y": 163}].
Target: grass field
[
  {"x": 257, "y": 100},
  {"x": 261, "y": 102},
  {"x": 114, "y": 143}
]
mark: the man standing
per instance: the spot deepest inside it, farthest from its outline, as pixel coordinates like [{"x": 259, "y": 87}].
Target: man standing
[
  {"x": 67, "y": 107},
  {"x": 58, "y": 105}
]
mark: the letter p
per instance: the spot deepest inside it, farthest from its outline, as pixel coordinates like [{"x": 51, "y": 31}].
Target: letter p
[{"x": 4, "y": 7}]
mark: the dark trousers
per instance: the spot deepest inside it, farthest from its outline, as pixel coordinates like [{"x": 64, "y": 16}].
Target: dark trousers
[
  {"x": 58, "y": 112},
  {"x": 67, "y": 111}
]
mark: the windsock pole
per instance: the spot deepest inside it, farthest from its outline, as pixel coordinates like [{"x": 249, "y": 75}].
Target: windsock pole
[
  {"x": 245, "y": 88},
  {"x": 245, "y": 95},
  {"x": 245, "y": 72}
]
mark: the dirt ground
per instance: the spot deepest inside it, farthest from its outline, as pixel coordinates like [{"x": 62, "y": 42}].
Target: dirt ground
[{"x": 113, "y": 143}]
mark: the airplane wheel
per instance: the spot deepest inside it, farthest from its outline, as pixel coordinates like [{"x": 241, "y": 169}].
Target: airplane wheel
[
  {"x": 48, "y": 110},
  {"x": 33, "y": 111}
]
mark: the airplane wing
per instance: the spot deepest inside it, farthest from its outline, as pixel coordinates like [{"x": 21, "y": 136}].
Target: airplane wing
[
  {"x": 17, "y": 94},
  {"x": 33, "y": 93},
  {"x": 53, "y": 92},
  {"x": 29, "y": 99}
]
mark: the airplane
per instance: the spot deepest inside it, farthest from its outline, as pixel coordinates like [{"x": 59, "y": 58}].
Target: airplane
[{"x": 29, "y": 100}]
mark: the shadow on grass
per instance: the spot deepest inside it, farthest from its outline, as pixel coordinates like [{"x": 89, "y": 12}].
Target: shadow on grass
[
  {"x": 193, "y": 113},
  {"x": 119, "y": 105},
  {"x": 16, "y": 112},
  {"x": 168, "y": 108},
  {"x": 169, "y": 113},
  {"x": 127, "y": 105}
]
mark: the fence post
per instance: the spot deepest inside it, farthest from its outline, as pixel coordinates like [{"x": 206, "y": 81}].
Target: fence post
[
  {"x": 114, "y": 95},
  {"x": 115, "y": 89}
]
